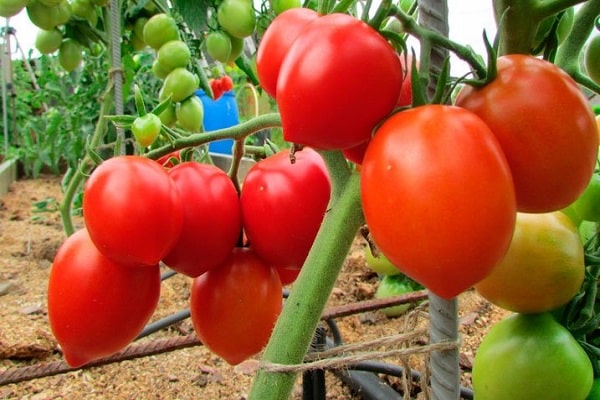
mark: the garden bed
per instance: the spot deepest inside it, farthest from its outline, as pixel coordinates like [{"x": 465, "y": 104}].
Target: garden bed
[{"x": 29, "y": 238}]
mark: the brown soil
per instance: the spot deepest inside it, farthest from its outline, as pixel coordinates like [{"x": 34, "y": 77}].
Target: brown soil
[{"x": 28, "y": 241}]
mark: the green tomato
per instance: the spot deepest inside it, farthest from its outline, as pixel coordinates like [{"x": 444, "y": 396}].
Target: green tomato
[
  {"x": 280, "y": 6},
  {"x": 190, "y": 114},
  {"x": 138, "y": 27},
  {"x": 237, "y": 17},
  {"x": 42, "y": 16},
  {"x": 146, "y": 129},
  {"x": 179, "y": 84},
  {"x": 595, "y": 392},
  {"x": 160, "y": 29},
  {"x": 237, "y": 47},
  {"x": 47, "y": 42},
  {"x": 531, "y": 356},
  {"x": 70, "y": 54},
  {"x": 380, "y": 264},
  {"x": 587, "y": 206},
  {"x": 396, "y": 285},
  {"x": 159, "y": 70},
  {"x": 174, "y": 54},
  {"x": 592, "y": 59},
  {"x": 218, "y": 46},
  {"x": 10, "y": 8},
  {"x": 168, "y": 117}
]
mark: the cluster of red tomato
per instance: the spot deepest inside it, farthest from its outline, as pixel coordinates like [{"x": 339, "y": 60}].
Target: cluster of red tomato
[
  {"x": 221, "y": 85},
  {"x": 105, "y": 281},
  {"x": 459, "y": 195}
]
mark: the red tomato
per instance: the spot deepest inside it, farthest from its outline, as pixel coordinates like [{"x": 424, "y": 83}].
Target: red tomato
[
  {"x": 234, "y": 307},
  {"x": 95, "y": 306},
  {"x": 212, "y": 218},
  {"x": 276, "y": 43},
  {"x": 357, "y": 153},
  {"x": 283, "y": 205},
  {"x": 132, "y": 210},
  {"x": 550, "y": 140},
  {"x": 339, "y": 79},
  {"x": 438, "y": 196}
]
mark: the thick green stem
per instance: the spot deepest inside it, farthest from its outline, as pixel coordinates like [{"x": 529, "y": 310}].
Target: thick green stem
[
  {"x": 86, "y": 163},
  {"x": 235, "y": 132},
  {"x": 568, "y": 53},
  {"x": 302, "y": 310},
  {"x": 519, "y": 21}
]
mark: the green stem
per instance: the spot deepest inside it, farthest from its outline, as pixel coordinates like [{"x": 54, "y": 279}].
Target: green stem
[
  {"x": 86, "y": 163},
  {"x": 235, "y": 132},
  {"x": 303, "y": 308},
  {"x": 432, "y": 38},
  {"x": 568, "y": 53}
]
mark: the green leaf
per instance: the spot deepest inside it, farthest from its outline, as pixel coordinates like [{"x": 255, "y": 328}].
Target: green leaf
[{"x": 194, "y": 13}]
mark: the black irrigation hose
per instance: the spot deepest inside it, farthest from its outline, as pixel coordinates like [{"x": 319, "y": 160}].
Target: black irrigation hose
[{"x": 164, "y": 323}]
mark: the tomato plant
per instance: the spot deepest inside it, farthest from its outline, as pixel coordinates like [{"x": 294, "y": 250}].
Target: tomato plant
[
  {"x": 212, "y": 218},
  {"x": 280, "y": 228},
  {"x": 427, "y": 208},
  {"x": 234, "y": 306},
  {"x": 544, "y": 360},
  {"x": 132, "y": 210},
  {"x": 96, "y": 306},
  {"x": 543, "y": 267},
  {"x": 334, "y": 63},
  {"x": 276, "y": 43},
  {"x": 551, "y": 163}
]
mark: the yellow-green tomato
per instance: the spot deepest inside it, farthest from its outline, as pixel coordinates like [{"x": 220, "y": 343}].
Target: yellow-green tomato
[
  {"x": 146, "y": 129},
  {"x": 531, "y": 356},
  {"x": 380, "y": 264},
  {"x": 190, "y": 114}
]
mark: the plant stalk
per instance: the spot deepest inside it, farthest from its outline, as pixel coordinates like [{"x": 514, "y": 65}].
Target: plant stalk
[{"x": 302, "y": 310}]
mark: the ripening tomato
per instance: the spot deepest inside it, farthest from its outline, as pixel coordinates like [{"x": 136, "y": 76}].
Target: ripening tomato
[
  {"x": 543, "y": 267},
  {"x": 531, "y": 356},
  {"x": 146, "y": 129},
  {"x": 276, "y": 43},
  {"x": 283, "y": 205},
  {"x": 132, "y": 210},
  {"x": 234, "y": 307},
  {"x": 95, "y": 306},
  {"x": 428, "y": 208},
  {"x": 550, "y": 141},
  {"x": 339, "y": 79},
  {"x": 212, "y": 219}
]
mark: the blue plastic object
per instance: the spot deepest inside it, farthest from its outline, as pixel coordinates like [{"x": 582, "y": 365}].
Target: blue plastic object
[{"x": 219, "y": 114}]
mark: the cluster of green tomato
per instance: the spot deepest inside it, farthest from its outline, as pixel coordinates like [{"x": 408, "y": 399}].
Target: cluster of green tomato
[
  {"x": 50, "y": 16},
  {"x": 236, "y": 20},
  {"x": 173, "y": 57}
]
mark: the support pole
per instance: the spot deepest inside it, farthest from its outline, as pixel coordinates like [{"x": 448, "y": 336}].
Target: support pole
[{"x": 445, "y": 369}]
